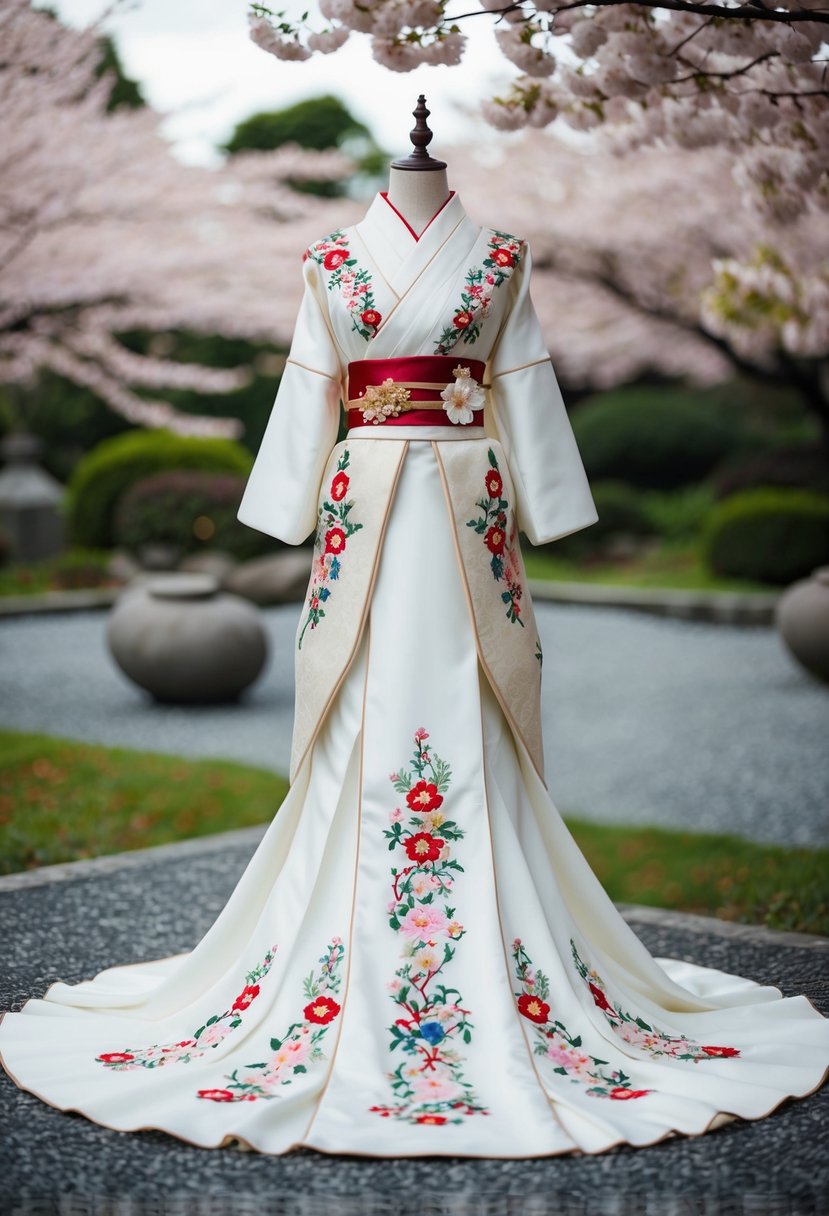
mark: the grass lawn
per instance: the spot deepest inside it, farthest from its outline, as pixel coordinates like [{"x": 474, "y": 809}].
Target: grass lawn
[
  {"x": 673, "y": 564},
  {"x": 61, "y": 800}
]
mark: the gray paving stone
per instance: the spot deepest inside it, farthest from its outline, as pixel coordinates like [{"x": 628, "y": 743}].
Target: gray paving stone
[
  {"x": 61, "y": 1163},
  {"x": 647, "y": 720}
]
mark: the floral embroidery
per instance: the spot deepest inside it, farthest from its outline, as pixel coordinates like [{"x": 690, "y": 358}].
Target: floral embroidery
[
  {"x": 355, "y": 285},
  {"x": 554, "y": 1042},
  {"x": 333, "y": 530},
  {"x": 429, "y": 1084},
  {"x": 636, "y": 1031},
  {"x": 211, "y": 1034},
  {"x": 503, "y": 257},
  {"x": 538, "y": 652},
  {"x": 491, "y": 525},
  {"x": 298, "y": 1047}
]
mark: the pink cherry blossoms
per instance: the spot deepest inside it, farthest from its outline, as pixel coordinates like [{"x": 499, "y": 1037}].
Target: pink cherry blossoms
[
  {"x": 648, "y": 263},
  {"x": 102, "y": 230},
  {"x": 751, "y": 78}
]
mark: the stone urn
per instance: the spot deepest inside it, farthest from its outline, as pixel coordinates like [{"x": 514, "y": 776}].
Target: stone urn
[
  {"x": 184, "y": 641},
  {"x": 802, "y": 619}
]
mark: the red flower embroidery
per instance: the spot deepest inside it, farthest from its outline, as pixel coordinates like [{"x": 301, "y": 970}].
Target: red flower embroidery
[
  {"x": 248, "y": 994},
  {"x": 533, "y": 1008},
  {"x": 339, "y": 487},
  {"x": 371, "y": 317},
  {"x": 431, "y": 1119},
  {"x": 334, "y": 540},
  {"x": 334, "y": 258},
  {"x": 619, "y": 1093},
  {"x": 424, "y": 797},
  {"x": 721, "y": 1051},
  {"x": 422, "y": 846},
  {"x": 321, "y": 1010},
  {"x": 500, "y": 539},
  {"x": 600, "y": 999},
  {"x": 216, "y": 1095},
  {"x": 462, "y": 319},
  {"x": 495, "y": 539},
  {"x": 503, "y": 257},
  {"x": 116, "y": 1057},
  {"x": 494, "y": 484}
]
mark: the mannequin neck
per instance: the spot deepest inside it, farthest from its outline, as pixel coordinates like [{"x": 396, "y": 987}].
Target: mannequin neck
[{"x": 418, "y": 196}]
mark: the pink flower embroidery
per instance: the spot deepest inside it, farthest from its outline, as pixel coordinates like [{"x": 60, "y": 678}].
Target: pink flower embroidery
[
  {"x": 289, "y": 1057},
  {"x": 428, "y": 1082},
  {"x": 502, "y": 259}
]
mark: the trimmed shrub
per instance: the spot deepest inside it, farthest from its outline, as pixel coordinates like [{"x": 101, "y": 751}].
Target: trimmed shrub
[
  {"x": 771, "y": 534},
  {"x": 651, "y": 437},
  {"x": 621, "y": 509},
  {"x": 189, "y": 510},
  {"x": 803, "y": 465},
  {"x": 105, "y": 474}
]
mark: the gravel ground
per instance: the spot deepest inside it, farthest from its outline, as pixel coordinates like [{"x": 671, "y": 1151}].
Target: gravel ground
[
  {"x": 62, "y": 1163},
  {"x": 647, "y": 720}
]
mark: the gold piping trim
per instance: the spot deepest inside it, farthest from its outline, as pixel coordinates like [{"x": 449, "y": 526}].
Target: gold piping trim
[
  {"x": 296, "y": 362},
  {"x": 521, "y": 366},
  {"x": 324, "y": 1089},
  {"x": 366, "y": 603},
  {"x": 470, "y": 605}
]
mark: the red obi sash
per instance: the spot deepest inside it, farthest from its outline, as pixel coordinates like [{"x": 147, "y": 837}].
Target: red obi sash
[{"x": 432, "y": 369}]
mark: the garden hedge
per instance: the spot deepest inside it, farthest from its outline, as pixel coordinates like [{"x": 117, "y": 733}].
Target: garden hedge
[
  {"x": 652, "y": 437},
  {"x": 189, "y": 510},
  {"x": 769, "y": 534},
  {"x": 105, "y": 474}
]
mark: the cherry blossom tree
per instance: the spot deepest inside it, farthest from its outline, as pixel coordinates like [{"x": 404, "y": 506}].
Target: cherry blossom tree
[
  {"x": 102, "y": 231},
  {"x": 648, "y": 264},
  {"x": 750, "y": 77}
]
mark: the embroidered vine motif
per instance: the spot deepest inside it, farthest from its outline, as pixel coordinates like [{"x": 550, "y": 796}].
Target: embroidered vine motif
[
  {"x": 211, "y": 1034},
  {"x": 333, "y": 530},
  {"x": 636, "y": 1031},
  {"x": 428, "y": 1084},
  {"x": 491, "y": 525},
  {"x": 298, "y": 1047},
  {"x": 353, "y": 282},
  {"x": 554, "y": 1042},
  {"x": 538, "y": 652},
  {"x": 503, "y": 257}
]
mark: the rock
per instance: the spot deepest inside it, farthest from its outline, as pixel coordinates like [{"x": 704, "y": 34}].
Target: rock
[
  {"x": 210, "y": 561},
  {"x": 278, "y": 578},
  {"x": 802, "y": 619},
  {"x": 184, "y": 641}
]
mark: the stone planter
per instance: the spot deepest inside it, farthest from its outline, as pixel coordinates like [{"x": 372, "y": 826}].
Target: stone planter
[
  {"x": 802, "y": 619},
  {"x": 183, "y": 641}
]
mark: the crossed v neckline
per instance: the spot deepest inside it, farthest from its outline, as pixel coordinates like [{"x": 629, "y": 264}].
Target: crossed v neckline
[{"x": 384, "y": 194}]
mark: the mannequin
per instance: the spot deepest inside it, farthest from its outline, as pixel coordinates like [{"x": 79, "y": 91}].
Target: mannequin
[{"x": 418, "y": 185}]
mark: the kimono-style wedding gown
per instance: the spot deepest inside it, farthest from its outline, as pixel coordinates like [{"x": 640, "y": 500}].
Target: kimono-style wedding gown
[{"x": 417, "y": 959}]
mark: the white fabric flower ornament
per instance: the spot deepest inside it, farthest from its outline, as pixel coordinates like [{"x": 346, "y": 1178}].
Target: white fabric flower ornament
[{"x": 462, "y": 397}]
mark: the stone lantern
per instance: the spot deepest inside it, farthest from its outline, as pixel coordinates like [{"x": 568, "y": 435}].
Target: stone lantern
[{"x": 29, "y": 501}]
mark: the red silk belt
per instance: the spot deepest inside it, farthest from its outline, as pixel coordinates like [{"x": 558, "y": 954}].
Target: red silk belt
[{"x": 422, "y": 376}]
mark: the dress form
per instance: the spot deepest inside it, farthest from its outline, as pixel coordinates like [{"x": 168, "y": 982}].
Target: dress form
[{"x": 418, "y": 185}]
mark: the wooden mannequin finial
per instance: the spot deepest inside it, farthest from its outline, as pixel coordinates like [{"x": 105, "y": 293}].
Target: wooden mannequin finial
[{"x": 421, "y": 137}]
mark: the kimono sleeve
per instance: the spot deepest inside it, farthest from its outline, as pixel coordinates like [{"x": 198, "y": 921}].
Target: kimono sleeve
[
  {"x": 552, "y": 492},
  {"x": 282, "y": 491}
]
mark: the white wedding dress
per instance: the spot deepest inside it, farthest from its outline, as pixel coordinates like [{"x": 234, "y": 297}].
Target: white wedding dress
[{"x": 417, "y": 959}]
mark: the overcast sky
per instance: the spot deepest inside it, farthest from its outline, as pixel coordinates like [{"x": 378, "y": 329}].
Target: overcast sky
[{"x": 196, "y": 63}]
